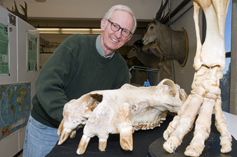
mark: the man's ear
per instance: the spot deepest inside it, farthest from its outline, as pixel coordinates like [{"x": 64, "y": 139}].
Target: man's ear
[
  {"x": 102, "y": 24},
  {"x": 129, "y": 37}
]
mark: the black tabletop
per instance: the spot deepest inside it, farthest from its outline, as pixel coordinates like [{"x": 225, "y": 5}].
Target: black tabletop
[
  {"x": 141, "y": 141},
  {"x": 146, "y": 143}
]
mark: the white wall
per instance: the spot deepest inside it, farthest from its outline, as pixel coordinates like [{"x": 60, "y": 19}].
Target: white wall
[
  {"x": 12, "y": 144},
  {"x": 85, "y": 9}
]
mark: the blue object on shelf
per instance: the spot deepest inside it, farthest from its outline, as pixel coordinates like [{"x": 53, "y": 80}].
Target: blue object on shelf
[{"x": 146, "y": 83}]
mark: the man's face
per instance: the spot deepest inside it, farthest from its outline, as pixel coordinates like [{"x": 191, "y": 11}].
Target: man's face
[{"x": 112, "y": 40}]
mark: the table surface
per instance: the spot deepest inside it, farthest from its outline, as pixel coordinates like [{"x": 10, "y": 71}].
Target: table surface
[
  {"x": 212, "y": 145},
  {"x": 142, "y": 139}
]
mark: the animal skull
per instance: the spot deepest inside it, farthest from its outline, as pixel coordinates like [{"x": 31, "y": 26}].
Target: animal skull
[{"x": 122, "y": 111}]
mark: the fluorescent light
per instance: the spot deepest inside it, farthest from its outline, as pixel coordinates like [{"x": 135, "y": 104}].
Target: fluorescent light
[
  {"x": 69, "y": 30},
  {"x": 96, "y": 31},
  {"x": 75, "y": 30},
  {"x": 49, "y": 30}
]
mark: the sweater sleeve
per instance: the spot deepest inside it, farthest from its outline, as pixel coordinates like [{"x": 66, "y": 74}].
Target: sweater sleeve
[{"x": 52, "y": 81}]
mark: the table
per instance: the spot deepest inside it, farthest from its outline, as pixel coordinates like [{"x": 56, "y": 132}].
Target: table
[
  {"x": 143, "y": 141},
  {"x": 212, "y": 145}
]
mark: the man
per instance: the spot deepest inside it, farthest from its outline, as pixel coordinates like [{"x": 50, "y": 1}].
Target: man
[{"x": 79, "y": 65}]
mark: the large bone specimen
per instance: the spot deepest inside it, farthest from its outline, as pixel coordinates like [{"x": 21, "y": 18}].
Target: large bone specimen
[
  {"x": 75, "y": 115},
  {"x": 121, "y": 111},
  {"x": 162, "y": 35},
  {"x": 205, "y": 94}
]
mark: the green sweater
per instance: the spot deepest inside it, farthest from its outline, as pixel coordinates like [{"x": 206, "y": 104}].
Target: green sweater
[{"x": 74, "y": 69}]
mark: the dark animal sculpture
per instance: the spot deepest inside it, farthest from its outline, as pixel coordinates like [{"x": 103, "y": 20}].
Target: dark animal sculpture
[
  {"x": 17, "y": 13},
  {"x": 160, "y": 34},
  {"x": 149, "y": 60}
]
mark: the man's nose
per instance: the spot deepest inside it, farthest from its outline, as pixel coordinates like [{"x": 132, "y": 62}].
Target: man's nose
[{"x": 119, "y": 33}]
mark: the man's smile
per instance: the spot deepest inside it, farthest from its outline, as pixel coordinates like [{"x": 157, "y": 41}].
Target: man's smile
[{"x": 114, "y": 39}]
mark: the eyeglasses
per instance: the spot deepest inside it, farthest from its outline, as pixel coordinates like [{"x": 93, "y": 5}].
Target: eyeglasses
[{"x": 115, "y": 27}]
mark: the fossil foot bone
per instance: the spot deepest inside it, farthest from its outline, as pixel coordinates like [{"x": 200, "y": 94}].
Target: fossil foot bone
[{"x": 205, "y": 94}]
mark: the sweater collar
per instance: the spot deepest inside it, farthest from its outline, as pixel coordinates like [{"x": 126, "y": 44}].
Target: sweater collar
[{"x": 100, "y": 49}]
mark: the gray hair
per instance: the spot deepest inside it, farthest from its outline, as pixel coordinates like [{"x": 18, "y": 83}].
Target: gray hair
[{"x": 124, "y": 8}]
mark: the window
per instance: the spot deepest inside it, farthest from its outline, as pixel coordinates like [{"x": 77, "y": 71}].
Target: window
[{"x": 225, "y": 81}]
